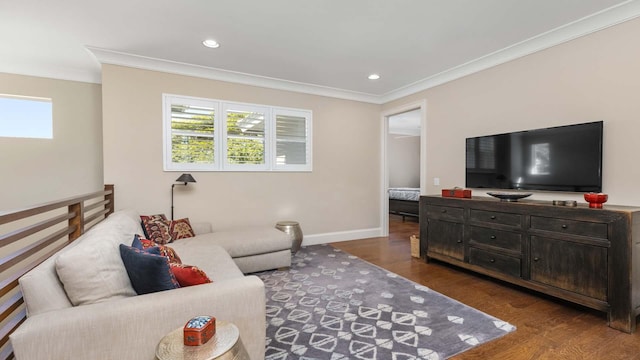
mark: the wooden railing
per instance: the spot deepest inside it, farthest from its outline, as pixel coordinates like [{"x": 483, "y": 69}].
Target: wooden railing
[{"x": 36, "y": 233}]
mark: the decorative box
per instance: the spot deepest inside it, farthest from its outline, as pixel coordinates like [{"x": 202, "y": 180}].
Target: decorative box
[
  {"x": 456, "y": 192},
  {"x": 199, "y": 330}
]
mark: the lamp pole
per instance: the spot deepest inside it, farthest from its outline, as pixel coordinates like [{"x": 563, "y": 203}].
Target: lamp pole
[{"x": 185, "y": 179}]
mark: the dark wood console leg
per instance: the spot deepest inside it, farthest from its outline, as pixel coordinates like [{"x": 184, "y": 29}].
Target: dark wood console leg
[{"x": 626, "y": 323}]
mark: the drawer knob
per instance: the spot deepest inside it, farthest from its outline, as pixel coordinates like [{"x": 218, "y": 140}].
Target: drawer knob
[
  {"x": 459, "y": 241},
  {"x": 564, "y": 226},
  {"x": 444, "y": 210},
  {"x": 492, "y": 260},
  {"x": 493, "y": 237},
  {"x": 536, "y": 259},
  {"x": 493, "y": 217}
]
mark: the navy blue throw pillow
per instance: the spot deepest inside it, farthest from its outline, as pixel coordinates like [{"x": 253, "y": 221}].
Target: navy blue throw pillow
[{"x": 148, "y": 272}]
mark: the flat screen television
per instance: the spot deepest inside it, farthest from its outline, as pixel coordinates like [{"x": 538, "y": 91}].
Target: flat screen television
[{"x": 564, "y": 158}]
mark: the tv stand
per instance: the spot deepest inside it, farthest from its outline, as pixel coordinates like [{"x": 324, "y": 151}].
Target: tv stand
[{"x": 582, "y": 255}]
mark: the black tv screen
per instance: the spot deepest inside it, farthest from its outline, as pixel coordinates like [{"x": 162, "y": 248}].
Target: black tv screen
[{"x": 564, "y": 158}]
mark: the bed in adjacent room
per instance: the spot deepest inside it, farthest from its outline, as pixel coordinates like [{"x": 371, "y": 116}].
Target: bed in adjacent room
[{"x": 404, "y": 201}]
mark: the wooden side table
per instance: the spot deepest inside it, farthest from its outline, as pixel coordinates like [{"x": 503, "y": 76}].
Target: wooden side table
[{"x": 224, "y": 345}]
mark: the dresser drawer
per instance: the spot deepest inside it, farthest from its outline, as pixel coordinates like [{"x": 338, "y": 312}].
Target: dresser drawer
[
  {"x": 445, "y": 213},
  {"x": 497, "y": 262},
  {"x": 494, "y": 217},
  {"x": 573, "y": 227},
  {"x": 497, "y": 238}
]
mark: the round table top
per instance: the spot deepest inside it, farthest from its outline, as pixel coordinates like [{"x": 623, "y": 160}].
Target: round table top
[
  {"x": 172, "y": 347},
  {"x": 287, "y": 223}
]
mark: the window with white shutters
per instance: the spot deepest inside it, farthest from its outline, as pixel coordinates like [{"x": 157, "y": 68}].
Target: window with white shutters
[
  {"x": 213, "y": 135},
  {"x": 292, "y": 138}
]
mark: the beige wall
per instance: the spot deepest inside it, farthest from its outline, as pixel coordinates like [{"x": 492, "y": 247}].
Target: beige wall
[
  {"x": 342, "y": 194},
  {"x": 40, "y": 170},
  {"x": 403, "y": 155},
  {"x": 592, "y": 78}
]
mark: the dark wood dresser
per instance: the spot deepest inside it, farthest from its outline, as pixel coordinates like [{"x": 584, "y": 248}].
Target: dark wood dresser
[{"x": 586, "y": 256}]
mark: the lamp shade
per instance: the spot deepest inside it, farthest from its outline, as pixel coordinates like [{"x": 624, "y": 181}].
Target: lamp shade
[{"x": 186, "y": 178}]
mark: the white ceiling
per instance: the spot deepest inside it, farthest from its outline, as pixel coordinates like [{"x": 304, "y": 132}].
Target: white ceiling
[{"x": 326, "y": 47}]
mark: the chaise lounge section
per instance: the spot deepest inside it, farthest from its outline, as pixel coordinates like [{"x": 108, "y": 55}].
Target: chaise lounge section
[{"x": 253, "y": 249}]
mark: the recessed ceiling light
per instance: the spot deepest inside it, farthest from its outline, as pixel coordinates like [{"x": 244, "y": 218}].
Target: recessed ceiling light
[
  {"x": 210, "y": 43},
  {"x": 374, "y": 77}
]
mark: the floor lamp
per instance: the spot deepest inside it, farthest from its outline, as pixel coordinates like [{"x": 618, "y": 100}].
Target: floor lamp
[{"x": 185, "y": 179}]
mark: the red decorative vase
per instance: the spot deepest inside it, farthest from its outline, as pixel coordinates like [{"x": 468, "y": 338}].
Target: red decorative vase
[{"x": 596, "y": 200}]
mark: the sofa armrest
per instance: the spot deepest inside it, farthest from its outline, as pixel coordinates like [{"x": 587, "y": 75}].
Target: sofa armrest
[
  {"x": 131, "y": 328},
  {"x": 201, "y": 227}
]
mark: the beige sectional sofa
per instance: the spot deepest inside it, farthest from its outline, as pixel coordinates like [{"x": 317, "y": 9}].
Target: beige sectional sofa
[{"x": 81, "y": 305}]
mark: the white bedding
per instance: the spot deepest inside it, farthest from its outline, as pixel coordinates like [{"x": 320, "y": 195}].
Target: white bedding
[{"x": 412, "y": 194}]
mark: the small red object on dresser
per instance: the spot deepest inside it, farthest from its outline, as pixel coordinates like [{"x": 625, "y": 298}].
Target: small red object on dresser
[
  {"x": 456, "y": 192},
  {"x": 199, "y": 330}
]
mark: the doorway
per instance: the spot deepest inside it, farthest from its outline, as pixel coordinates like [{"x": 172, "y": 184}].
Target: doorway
[{"x": 403, "y": 162}]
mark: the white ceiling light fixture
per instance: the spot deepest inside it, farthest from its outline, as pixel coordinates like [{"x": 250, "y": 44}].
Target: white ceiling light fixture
[
  {"x": 374, "y": 77},
  {"x": 210, "y": 43}
]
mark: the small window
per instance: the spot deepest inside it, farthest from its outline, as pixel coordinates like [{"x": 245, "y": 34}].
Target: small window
[
  {"x": 26, "y": 117},
  {"x": 213, "y": 135}
]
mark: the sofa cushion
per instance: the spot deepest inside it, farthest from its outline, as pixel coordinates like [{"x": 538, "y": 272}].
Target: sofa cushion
[
  {"x": 156, "y": 228},
  {"x": 41, "y": 287},
  {"x": 212, "y": 259},
  {"x": 93, "y": 271},
  {"x": 42, "y": 290},
  {"x": 180, "y": 229},
  {"x": 189, "y": 275},
  {"x": 148, "y": 272},
  {"x": 244, "y": 242}
]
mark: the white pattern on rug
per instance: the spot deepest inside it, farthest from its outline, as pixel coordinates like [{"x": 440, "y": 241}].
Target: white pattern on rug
[{"x": 332, "y": 305}]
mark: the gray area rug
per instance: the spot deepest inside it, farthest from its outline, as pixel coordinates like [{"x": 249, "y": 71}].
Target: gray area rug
[{"x": 333, "y": 305}]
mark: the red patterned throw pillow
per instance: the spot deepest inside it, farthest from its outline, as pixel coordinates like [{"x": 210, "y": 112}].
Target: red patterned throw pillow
[
  {"x": 170, "y": 254},
  {"x": 188, "y": 275},
  {"x": 181, "y": 229},
  {"x": 156, "y": 228},
  {"x": 164, "y": 250}
]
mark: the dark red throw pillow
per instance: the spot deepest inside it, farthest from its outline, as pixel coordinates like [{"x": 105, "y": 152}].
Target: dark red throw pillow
[{"x": 188, "y": 275}]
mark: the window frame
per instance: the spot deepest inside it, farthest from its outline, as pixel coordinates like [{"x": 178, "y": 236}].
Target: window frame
[{"x": 220, "y": 162}]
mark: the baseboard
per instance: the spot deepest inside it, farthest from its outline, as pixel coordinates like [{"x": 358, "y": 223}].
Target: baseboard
[{"x": 325, "y": 238}]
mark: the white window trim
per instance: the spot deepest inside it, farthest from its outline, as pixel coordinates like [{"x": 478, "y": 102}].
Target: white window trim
[{"x": 220, "y": 135}]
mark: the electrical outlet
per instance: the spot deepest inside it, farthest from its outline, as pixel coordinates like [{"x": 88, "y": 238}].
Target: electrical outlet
[{"x": 436, "y": 181}]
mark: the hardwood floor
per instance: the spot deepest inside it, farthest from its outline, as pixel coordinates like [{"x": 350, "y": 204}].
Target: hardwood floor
[{"x": 547, "y": 328}]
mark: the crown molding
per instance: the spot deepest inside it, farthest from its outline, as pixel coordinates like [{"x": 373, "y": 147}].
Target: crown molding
[
  {"x": 51, "y": 71},
  {"x": 601, "y": 20},
  {"x": 105, "y": 56},
  {"x": 585, "y": 26}
]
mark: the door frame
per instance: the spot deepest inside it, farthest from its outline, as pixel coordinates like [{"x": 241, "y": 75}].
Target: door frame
[{"x": 384, "y": 197}]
